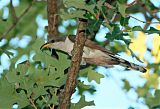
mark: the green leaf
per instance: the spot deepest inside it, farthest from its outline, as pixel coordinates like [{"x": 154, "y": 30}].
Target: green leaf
[
  {"x": 108, "y": 26},
  {"x": 30, "y": 28},
  {"x": 137, "y": 28},
  {"x": 152, "y": 31},
  {"x": 117, "y": 34},
  {"x": 47, "y": 100},
  {"x": 142, "y": 91},
  {"x": 154, "y": 101},
  {"x": 75, "y": 14},
  {"x": 122, "y": 1},
  {"x": 124, "y": 21},
  {"x": 122, "y": 8},
  {"x": 82, "y": 87},
  {"x": 20, "y": 76},
  {"x": 34, "y": 80},
  {"x": 80, "y": 4},
  {"x": 44, "y": 78},
  {"x": 37, "y": 91},
  {"x": 100, "y": 4},
  {"x": 55, "y": 69},
  {"x": 131, "y": 107},
  {"x": 126, "y": 85},
  {"x": 82, "y": 103},
  {"x": 91, "y": 74},
  {"x": 54, "y": 100},
  {"x": 153, "y": 81},
  {"x": 9, "y": 96}
]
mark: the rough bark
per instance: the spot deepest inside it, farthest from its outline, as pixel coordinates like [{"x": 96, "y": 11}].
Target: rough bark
[
  {"x": 75, "y": 64},
  {"x": 73, "y": 71},
  {"x": 52, "y": 19}
]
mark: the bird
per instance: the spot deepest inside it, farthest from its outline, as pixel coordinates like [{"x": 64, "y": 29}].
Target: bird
[{"x": 93, "y": 53}]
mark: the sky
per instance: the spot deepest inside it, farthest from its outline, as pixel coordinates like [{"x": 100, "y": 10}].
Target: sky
[{"x": 109, "y": 94}]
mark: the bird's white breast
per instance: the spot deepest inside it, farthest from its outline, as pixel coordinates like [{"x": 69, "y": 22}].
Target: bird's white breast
[
  {"x": 87, "y": 52},
  {"x": 68, "y": 46},
  {"x": 91, "y": 53}
]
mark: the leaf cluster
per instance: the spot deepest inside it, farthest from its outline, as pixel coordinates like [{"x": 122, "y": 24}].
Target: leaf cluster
[
  {"x": 34, "y": 83},
  {"x": 38, "y": 81}
]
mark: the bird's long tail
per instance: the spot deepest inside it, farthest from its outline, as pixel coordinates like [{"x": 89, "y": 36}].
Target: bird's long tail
[{"x": 128, "y": 64}]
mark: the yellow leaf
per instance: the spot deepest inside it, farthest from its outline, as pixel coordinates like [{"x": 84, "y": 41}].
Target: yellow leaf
[
  {"x": 138, "y": 45},
  {"x": 156, "y": 46}
]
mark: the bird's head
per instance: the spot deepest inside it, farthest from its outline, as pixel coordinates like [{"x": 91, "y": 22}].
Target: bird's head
[
  {"x": 48, "y": 45},
  {"x": 53, "y": 44}
]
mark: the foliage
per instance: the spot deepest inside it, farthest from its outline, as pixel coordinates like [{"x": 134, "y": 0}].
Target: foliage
[
  {"x": 37, "y": 81},
  {"x": 82, "y": 103},
  {"x": 91, "y": 74}
]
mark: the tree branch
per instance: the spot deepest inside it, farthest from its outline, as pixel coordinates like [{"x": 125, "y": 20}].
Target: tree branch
[
  {"x": 132, "y": 3},
  {"x": 17, "y": 20},
  {"x": 52, "y": 28},
  {"x": 75, "y": 63},
  {"x": 147, "y": 22},
  {"x": 52, "y": 19},
  {"x": 147, "y": 10},
  {"x": 13, "y": 12}
]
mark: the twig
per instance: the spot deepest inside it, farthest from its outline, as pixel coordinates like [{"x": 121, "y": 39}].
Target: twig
[
  {"x": 128, "y": 5},
  {"x": 132, "y": 3},
  {"x": 46, "y": 102},
  {"x": 148, "y": 22},
  {"x": 108, "y": 6},
  {"x": 13, "y": 12},
  {"x": 41, "y": 0},
  {"x": 149, "y": 19},
  {"x": 113, "y": 17},
  {"x": 146, "y": 9},
  {"x": 75, "y": 63},
  {"x": 52, "y": 19},
  {"x": 32, "y": 103},
  {"x": 15, "y": 23},
  {"x": 111, "y": 7},
  {"x": 52, "y": 28}
]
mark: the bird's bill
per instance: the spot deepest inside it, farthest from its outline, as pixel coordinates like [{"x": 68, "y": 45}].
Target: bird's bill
[{"x": 45, "y": 46}]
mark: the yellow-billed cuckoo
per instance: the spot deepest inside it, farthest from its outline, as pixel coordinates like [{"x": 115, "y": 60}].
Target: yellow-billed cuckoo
[{"x": 92, "y": 53}]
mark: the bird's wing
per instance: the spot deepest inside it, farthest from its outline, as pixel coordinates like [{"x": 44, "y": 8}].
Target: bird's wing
[
  {"x": 114, "y": 60},
  {"x": 111, "y": 60},
  {"x": 92, "y": 45}
]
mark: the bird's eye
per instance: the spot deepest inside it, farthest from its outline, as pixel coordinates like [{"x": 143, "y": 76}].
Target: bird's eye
[{"x": 52, "y": 41}]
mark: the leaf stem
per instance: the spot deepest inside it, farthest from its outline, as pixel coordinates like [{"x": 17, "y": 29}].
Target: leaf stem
[
  {"x": 46, "y": 102},
  {"x": 143, "y": 21},
  {"x": 32, "y": 103}
]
